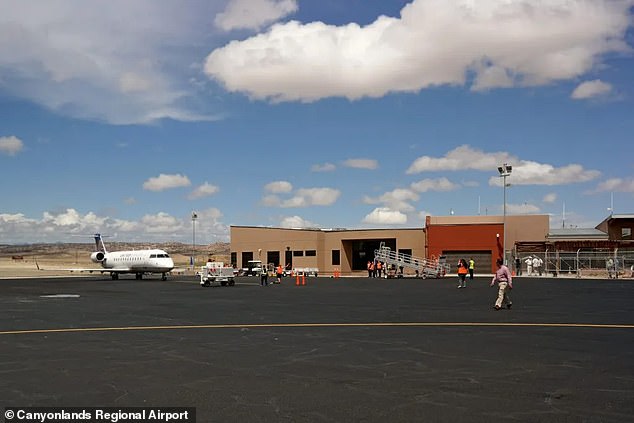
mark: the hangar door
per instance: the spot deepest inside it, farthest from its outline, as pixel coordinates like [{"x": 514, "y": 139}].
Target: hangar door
[
  {"x": 482, "y": 260},
  {"x": 363, "y": 250}
]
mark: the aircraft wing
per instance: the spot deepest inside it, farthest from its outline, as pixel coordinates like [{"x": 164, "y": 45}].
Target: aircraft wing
[{"x": 84, "y": 270}]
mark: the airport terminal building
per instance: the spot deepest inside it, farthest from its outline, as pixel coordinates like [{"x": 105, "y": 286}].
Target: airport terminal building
[{"x": 349, "y": 250}]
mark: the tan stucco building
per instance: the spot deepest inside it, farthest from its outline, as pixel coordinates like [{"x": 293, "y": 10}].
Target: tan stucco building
[
  {"x": 349, "y": 250},
  {"x": 326, "y": 249}
]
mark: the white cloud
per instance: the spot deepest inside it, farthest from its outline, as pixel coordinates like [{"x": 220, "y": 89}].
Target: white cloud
[
  {"x": 361, "y": 163},
  {"x": 115, "y": 61},
  {"x": 296, "y": 222},
  {"x": 533, "y": 173},
  {"x": 159, "y": 227},
  {"x": 550, "y": 198},
  {"x": 253, "y": 14},
  {"x": 395, "y": 200},
  {"x": 522, "y": 209},
  {"x": 590, "y": 89},
  {"x": 11, "y": 145},
  {"x": 525, "y": 172},
  {"x": 303, "y": 197},
  {"x": 385, "y": 216},
  {"x": 326, "y": 167},
  {"x": 204, "y": 190},
  {"x": 278, "y": 187},
  {"x": 307, "y": 197},
  {"x": 440, "y": 184},
  {"x": 163, "y": 182},
  {"x": 461, "y": 158},
  {"x": 616, "y": 185},
  {"x": 498, "y": 43}
]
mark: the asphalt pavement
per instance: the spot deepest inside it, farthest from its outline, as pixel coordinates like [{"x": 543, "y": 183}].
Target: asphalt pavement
[{"x": 334, "y": 350}]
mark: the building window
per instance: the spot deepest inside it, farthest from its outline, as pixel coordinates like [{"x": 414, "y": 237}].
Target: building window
[
  {"x": 407, "y": 251},
  {"x": 336, "y": 257},
  {"x": 311, "y": 253},
  {"x": 298, "y": 253},
  {"x": 626, "y": 233}
]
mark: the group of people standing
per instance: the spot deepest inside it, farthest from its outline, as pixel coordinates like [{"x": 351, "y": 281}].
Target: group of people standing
[
  {"x": 502, "y": 277},
  {"x": 376, "y": 269},
  {"x": 534, "y": 265}
]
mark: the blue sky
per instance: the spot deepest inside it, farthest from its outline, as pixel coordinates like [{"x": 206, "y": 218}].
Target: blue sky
[{"x": 125, "y": 117}]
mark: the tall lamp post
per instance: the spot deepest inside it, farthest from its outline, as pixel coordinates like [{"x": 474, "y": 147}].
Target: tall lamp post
[
  {"x": 504, "y": 170},
  {"x": 194, "y": 217}
]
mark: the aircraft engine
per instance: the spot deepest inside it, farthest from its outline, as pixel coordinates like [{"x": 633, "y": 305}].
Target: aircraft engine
[{"x": 97, "y": 257}]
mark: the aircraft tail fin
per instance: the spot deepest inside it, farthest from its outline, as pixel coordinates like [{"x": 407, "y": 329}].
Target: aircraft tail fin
[{"x": 100, "y": 244}]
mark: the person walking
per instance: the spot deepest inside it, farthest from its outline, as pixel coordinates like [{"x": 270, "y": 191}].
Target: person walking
[
  {"x": 471, "y": 268},
  {"x": 463, "y": 270},
  {"x": 264, "y": 276},
  {"x": 505, "y": 284},
  {"x": 369, "y": 269},
  {"x": 279, "y": 273}
]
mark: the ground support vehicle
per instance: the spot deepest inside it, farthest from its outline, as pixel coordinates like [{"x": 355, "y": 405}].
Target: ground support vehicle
[
  {"x": 216, "y": 272},
  {"x": 306, "y": 271},
  {"x": 254, "y": 268}
]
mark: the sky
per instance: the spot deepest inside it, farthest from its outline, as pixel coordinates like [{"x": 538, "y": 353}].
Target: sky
[{"x": 125, "y": 118}]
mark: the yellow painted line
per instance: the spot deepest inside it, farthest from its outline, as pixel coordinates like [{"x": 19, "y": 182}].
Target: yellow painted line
[{"x": 322, "y": 325}]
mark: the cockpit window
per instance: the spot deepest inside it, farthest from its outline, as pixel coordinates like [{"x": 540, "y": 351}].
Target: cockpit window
[{"x": 152, "y": 255}]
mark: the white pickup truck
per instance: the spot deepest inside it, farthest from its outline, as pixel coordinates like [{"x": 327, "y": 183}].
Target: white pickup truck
[{"x": 216, "y": 271}]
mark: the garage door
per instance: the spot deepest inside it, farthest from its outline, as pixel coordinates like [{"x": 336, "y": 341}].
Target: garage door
[{"x": 482, "y": 260}]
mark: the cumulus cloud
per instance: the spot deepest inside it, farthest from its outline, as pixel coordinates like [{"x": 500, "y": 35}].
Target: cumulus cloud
[
  {"x": 522, "y": 208},
  {"x": 296, "y": 222},
  {"x": 533, "y": 173},
  {"x": 396, "y": 200},
  {"x": 440, "y": 184},
  {"x": 550, "y": 198},
  {"x": 253, "y": 14},
  {"x": 525, "y": 172},
  {"x": 278, "y": 187},
  {"x": 163, "y": 182},
  {"x": 303, "y": 197},
  {"x": 326, "y": 167},
  {"x": 204, "y": 190},
  {"x": 385, "y": 216},
  {"x": 11, "y": 145},
  {"x": 590, "y": 89},
  {"x": 485, "y": 44},
  {"x": 112, "y": 61},
  {"x": 361, "y": 163},
  {"x": 59, "y": 226},
  {"x": 616, "y": 185},
  {"x": 307, "y": 197},
  {"x": 463, "y": 157}
]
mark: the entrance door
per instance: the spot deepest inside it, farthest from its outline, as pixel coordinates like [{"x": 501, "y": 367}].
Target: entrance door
[
  {"x": 273, "y": 257},
  {"x": 288, "y": 260}
]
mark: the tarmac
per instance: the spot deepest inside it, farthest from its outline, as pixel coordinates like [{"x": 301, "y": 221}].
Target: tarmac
[{"x": 334, "y": 350}]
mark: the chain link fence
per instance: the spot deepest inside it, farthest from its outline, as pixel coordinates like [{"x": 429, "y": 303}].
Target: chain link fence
[{"x": 610, "y": 263}]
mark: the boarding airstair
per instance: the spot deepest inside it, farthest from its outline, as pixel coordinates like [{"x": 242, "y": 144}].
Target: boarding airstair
[{"x": 423, "y": 267}]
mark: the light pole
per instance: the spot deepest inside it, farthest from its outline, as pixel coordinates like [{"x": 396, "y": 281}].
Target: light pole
[
  {"x": 194, "y": 217},
  {"x": 504, "y": 170}
]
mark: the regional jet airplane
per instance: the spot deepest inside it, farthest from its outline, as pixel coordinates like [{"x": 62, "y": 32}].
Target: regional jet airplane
[{"x": 134, "y": 261}]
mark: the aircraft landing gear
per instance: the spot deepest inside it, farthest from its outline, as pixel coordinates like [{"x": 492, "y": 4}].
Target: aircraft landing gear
[
  {"x": 139, "y": 276},
  {"x": 164, "y": 277},
  {"x": 114, "y": 276}
]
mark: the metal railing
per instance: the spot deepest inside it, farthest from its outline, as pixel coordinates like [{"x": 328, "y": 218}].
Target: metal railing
[{"x": 583, "y": 262}]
